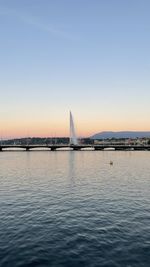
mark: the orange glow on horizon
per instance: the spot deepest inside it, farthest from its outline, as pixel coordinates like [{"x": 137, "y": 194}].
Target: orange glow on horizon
[{"x": 58, "y": 128}]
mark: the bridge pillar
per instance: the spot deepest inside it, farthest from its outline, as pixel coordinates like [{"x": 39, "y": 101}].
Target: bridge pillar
[
  {"x": 77, "y": 148},
  {"x": 53, "y": 148},
  {"x": 1, "y": 149},
  {"x": 98, "y": 148},
  {"x": 27, "y": 148}
]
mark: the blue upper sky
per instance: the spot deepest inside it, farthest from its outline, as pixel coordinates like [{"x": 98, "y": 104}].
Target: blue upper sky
[{"x": 90, "y": 56}]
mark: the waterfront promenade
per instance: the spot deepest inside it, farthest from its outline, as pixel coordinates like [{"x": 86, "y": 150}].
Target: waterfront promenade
[{"x": 78, "y": 147}]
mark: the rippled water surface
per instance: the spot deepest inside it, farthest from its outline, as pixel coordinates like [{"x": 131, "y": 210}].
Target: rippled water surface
[{"x": 70, "y": 208}]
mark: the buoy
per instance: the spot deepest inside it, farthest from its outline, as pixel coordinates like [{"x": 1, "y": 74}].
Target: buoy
[{"x": 111, "y": 162}]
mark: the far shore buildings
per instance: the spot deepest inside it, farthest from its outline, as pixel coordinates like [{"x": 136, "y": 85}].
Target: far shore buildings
[{"x": 124, "y": 141}]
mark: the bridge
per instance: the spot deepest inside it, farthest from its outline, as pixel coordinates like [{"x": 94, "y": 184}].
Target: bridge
[{"x": 105, "y": 147}]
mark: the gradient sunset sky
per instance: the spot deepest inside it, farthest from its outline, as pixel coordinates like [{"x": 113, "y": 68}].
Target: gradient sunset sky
[{"x": 88, "y": 56}]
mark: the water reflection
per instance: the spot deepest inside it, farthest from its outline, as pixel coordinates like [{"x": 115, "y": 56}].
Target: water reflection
[
  {"x": 72, "y": 167},
  {"x": 70, "y": 208}
]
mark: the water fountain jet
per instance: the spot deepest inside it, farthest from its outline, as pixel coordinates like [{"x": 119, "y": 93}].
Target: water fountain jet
[{"x": 73, "y": 137}]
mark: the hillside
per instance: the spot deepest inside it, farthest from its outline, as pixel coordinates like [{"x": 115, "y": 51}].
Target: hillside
[{"x": 121, "y": 134}]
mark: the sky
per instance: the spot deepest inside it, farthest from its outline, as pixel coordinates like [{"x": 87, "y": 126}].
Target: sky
[{"x": 88, "y": 56}]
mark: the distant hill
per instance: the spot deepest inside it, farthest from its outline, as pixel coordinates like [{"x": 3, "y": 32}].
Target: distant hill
[{"x": 122, "y": 134}]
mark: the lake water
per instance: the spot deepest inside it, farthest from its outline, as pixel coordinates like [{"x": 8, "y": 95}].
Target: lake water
[{"x": 72, "y": 208}]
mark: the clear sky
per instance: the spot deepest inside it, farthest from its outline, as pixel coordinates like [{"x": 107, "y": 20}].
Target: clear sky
[{"x": 88, "y": 56}]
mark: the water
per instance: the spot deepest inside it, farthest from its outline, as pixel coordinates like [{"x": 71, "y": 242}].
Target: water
[{"x": 70, "y": 208}]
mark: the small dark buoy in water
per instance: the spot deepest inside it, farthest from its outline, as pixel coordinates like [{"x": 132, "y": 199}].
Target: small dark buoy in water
[{"x": 111, "y": 162}]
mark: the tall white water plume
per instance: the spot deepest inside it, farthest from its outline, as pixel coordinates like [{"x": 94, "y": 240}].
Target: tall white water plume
[{"x": 73, "y": 137}]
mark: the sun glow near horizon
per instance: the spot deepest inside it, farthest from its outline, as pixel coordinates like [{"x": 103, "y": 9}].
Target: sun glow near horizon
[{"x": 58, "y": 128}]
